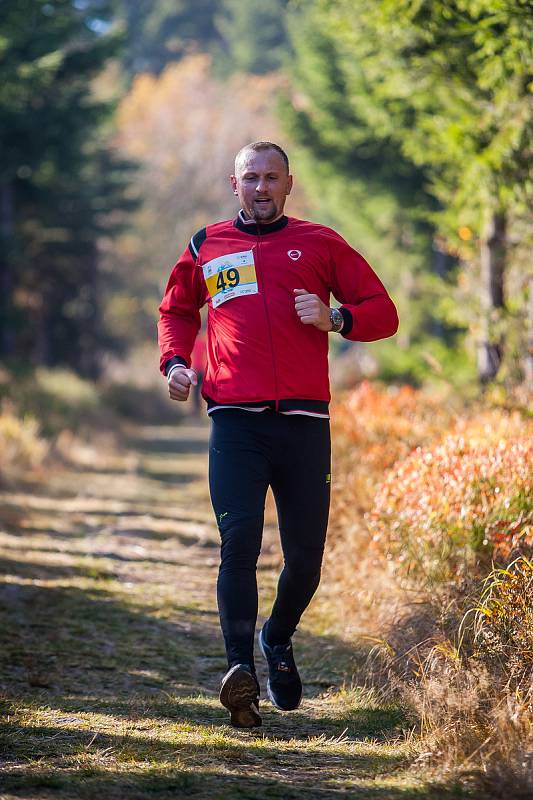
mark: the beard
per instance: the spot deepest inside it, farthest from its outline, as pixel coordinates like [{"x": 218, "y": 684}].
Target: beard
[{"x": 265, "y": 212}]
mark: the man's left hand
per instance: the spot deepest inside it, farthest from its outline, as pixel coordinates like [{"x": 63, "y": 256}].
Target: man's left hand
[{"x": 311, "y": 310}]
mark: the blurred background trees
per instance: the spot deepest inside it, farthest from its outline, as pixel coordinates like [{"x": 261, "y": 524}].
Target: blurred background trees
[
  {"x": 61, "y": 188},
  {"x": 190, "y": 116},
  {"x": 431, "y": 101},
  {"x": 408, "y": 125}
]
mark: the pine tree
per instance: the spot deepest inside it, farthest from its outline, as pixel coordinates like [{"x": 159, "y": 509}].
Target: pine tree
[
  {"x": 445, "y": 86},
  {"x": 254, "y": 36},
  {"x": 159, "y": 32},
  {"x": 364, "y": 185},
  {"x": 58, "y": 182},
  {"x": 462, "y": 71}
]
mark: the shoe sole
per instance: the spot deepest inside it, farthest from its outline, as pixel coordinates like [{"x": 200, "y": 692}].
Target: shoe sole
[
  {"x": 269, "y": 690},
  {"x": 239, "y": 695}
]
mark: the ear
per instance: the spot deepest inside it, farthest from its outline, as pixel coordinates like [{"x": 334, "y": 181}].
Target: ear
[
  {"x": 233, "y": 181},
  {"x": 289, "y": 184}
]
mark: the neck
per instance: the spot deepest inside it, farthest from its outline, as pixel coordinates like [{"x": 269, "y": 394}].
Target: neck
[
  {"x": 253, "y": 221},
  {"x": 256, "y": 228}
]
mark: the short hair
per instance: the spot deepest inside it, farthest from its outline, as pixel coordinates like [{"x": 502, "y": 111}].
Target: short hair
[{"x": 256, "y": 147}]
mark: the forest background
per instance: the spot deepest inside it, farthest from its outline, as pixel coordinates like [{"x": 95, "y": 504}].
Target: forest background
[{"x": 408, "y": 125}]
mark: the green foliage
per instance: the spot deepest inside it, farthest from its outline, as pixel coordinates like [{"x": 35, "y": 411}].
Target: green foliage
[
  {"x": 452, "y": 79},
  {"x": 254, "y": 36},
  {"x": 58, "y": 399},
  {"x": 364, "y": 185},
  {"x": 164, "y": 31},
  {"x": 45, "y": 84},
  {"x": 249, "y": 38},
  {"x": 52, "y": 401},
  {"x": 421, "y": 108},
  {"x": 58, "y": 183}
]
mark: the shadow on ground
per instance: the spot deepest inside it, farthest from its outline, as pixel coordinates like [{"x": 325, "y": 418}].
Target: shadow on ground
[
  {"x": 141, "y": 666},
  {"x": 209, "y": 784}
]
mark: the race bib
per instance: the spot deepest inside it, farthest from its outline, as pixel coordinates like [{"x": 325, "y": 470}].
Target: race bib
[{"x": 230, "y": 276}]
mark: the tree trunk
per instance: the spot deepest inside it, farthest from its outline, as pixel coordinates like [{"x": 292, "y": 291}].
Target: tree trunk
[
  {"x": 493, "y": 258},
  {"x": 6, "y": 282}
]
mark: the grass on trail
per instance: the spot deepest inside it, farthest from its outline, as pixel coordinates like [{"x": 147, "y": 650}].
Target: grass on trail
[{"x": 111, "y": 655}]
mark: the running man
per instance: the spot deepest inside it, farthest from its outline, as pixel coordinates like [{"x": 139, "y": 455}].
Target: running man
[{"x": 267, "y": 280}]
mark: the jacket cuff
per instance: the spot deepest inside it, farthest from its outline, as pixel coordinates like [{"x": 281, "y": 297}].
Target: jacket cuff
[
  {"x": 348, "y": 321},
  {"x": 175, "y": 361}
]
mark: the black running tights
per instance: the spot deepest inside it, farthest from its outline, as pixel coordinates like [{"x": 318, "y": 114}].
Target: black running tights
[{"x": 248, "y": 452}]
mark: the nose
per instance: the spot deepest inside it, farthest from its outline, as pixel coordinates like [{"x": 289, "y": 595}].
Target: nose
[{"x": 260, "y": 185}]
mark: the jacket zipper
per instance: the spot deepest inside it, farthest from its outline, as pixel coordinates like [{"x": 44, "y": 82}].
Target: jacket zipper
[{"x": 269, "y": 327}]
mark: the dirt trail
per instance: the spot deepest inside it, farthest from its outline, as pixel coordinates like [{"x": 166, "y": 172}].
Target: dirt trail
[{"x": 111, "y": 655}]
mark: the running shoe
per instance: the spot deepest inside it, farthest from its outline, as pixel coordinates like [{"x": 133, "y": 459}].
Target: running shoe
[
  {"x": 239, "y": 693},
  {"x": 284, "y": 686}
]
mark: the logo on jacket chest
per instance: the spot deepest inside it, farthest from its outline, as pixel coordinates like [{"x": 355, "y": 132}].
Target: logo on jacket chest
[{"x": 294, "y": 254}]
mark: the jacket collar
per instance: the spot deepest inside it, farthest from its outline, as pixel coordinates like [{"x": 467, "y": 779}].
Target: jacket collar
[{"x": 247, "y": 225}]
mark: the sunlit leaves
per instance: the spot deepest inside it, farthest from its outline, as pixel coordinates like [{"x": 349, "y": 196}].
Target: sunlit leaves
[
  {"x": 466, "y": 499},
  {"x": 446, "y": 489}
]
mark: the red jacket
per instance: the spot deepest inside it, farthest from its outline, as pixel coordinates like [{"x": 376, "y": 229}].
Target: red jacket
[
  {"x": 257, "y": 348},
  {"x": 199, "y": 353}
]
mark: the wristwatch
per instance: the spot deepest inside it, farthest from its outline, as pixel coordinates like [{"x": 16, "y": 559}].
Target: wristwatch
[{"x": 336, "y": 319}]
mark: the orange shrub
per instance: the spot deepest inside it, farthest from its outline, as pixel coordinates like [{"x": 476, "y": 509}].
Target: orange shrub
[
  {"x": 444, "y": 507},
  {"x": 445, "y": 490},
  {"x": 372, "y": 427},
  {"x": 386, "y": 424}
]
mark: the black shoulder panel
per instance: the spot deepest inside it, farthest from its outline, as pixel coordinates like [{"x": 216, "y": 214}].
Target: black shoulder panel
[{"x": 197, "y": 241}]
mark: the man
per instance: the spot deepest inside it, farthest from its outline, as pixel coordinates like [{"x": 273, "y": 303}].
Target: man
[{"x": 267, "y": 280}]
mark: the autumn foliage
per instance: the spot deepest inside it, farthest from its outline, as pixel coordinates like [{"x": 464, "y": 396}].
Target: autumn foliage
[
  {"x": 450, "y": 507},
  {"x": 444, "y": 487},
  {"x": 440, "y": 572},
  {"x": 385, "y": 424}
]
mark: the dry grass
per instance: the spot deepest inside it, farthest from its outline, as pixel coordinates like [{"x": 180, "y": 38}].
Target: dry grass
[
  {"x": 111, "y": 654},
  {"x": 453, "y": 642},
  {"x": 21, "y": 445},
  {"x": 109, "y": 646},
  {"x": 53, "y": 416}
]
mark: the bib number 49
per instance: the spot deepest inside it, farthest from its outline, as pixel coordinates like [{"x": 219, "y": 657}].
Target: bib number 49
[
  {"x": 230, "y": 276},
  {"x": 232, "y": 279}
]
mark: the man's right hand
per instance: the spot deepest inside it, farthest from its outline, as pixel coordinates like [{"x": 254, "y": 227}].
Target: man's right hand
[{"x": 180, "y": 382}]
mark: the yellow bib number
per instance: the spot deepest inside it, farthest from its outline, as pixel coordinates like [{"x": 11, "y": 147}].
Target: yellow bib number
[{"x": 230, "y": 276}]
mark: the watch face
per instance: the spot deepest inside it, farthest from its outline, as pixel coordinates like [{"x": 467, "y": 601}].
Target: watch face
[{"x": 337, "y": 320}]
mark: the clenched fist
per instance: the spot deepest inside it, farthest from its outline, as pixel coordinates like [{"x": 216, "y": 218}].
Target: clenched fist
[
  {"x": 180, "y": 382},
  {"x": 311, "y": 310}
]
